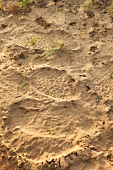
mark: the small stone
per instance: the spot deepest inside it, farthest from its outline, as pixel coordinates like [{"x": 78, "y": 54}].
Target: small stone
[
  {"x": 111, "y": 163},
  {"x": 63, "y": 163},
  {"x": 68, "y": 160},
  {"x": 20, "y": 164},
  {"x": 73, "y": 156},
  {"x": 3, "y": 156},
  {"x": 4, "y": 118},
  {"x": 9, "y": 158},
  {"x": 92, "y": 148},
  {"x": 90, "y": 13},
  {"x": 93, "y": 48}
]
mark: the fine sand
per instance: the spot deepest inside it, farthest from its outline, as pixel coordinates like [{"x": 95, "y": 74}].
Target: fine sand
[{"x": 56, "y": 86}]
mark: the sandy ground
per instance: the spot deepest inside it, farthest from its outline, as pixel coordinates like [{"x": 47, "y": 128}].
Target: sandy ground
[{"x": 56, "y": 87}]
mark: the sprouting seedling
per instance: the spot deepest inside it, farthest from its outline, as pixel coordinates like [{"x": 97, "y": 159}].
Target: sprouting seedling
[
  {"x": 30, "y": 1},
  {"x": 111, "y": 75},
  {"x": 22, "y": 3},
  {"x": 88, "y": 4},
  {"x": 111, "y": 6},
  {"x": 81, "y": 33},
  {"x": 57, "y": 43},
  {"x": 33, "y": 40},
  {"x": 51, "y": 129},
  {"x": 57, "y": 46},
  {"x": 22, "y": 17},
  {"x": 104, "y": 17},
  {"x": 23, "y": 81}
]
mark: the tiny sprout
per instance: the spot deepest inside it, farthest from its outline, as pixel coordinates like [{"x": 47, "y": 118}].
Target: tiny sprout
[
  {"x": 33, "y": 40},
  {"x": 81, "y": 33},
  {"x": 23, "y": 2},
  {"x": 111, "y": 75}
]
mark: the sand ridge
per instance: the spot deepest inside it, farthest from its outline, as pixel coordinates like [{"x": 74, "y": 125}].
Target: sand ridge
[{"x": 56, "y": 88}]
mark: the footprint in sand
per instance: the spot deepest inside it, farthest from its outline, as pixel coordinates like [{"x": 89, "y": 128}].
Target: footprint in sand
[
  {"x": 53, "y": 82},
  {"x": 37, "y": 132}
]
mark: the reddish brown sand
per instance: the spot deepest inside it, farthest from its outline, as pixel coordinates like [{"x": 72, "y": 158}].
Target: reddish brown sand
[{"x": 56, "y": 86}]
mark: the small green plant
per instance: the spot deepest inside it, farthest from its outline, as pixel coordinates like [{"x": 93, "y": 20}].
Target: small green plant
[
  {"x": 23, "y": 81},
  {"x": 51, "y": 129},
  {"x": 111, "y": 6},
  {"x": 81, "y": 33},
  {"x": 30, "y": 1},
  {"x": 33, "y": 40},
  {"x": 25, "y": 2},
  {"x": 56, "y": 46},
  {"x": 23, "y": 17},
  {"x": 88, "y": 4},
  {"x": 110, "y": 9},
  {"x": 111, "y": 75},
  {"x": 22, "y": 3}
]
